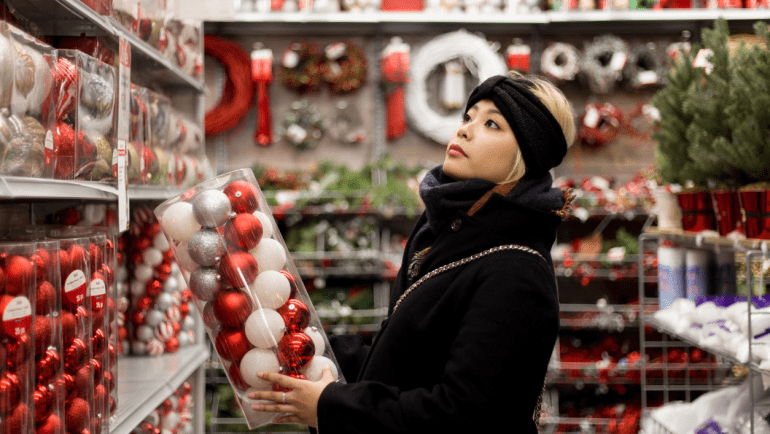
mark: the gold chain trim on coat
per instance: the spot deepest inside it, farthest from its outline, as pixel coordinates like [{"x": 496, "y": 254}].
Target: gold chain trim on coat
[{"x": 463, "y": 261}]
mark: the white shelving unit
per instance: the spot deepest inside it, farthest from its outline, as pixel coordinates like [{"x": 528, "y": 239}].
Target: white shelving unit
[{"x": 16, "y": 188}]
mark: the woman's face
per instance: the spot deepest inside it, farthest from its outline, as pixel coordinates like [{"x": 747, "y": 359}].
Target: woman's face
[{"x": 483, "y": 146}]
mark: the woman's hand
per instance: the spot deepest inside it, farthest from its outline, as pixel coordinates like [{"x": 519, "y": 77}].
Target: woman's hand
[{"x": 301, "y": 401}]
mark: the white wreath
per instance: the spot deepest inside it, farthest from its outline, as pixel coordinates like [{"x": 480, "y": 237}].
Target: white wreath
[
  {"x": 476, "y": 52},
  {"x": 560, "y": 61}
]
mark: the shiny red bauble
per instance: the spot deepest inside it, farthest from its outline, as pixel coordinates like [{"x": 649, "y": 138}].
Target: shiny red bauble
[
  {"x": 242, "y": 195},
  {"x": 108, "y": 274},
  {"x": 78, "y": 256},
  {"x": 44, "y": 403},
  {"x": 5, "y": 300},
  {"x": 10, "y": 392},
  {"x": 144, "y": 303},
  {"x": 19, "y": 352},
  {"x": 232, "y": 307},
  {"x": 43, "y": 334},
  {"x": 243, "y": 231},
  {"x": 292, "y": 282},
  {"x": 48, "y": 367},
  {"x": 292, "y": 374},
  {"x": 77, "y": 415},
  {"x": 98, "y": 342},
  {"x": 236, "y": 379},
  {"x": 75, "y": 356},
  {"x": 45, "y": 298},
  {"x": 67, "y": 383},
  {"x": 154, "y": 288},
  {"x": 295, "y": 315},
  {"x": 172, "y": 345},
  {"x": 295, "y": 350},
  {"x": 19, "y": 275},
  {"x": 231, "y": 344},
  {"x": 238, "y": 269},
  {"x": 97, "y": 369},
  {"x": 41, "y": 259},
  {"x": 97, "y": 256}
]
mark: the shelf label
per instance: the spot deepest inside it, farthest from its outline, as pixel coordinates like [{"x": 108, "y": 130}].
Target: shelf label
[
  {"x": 17, "y": 317},
  {"x": 75, "y": 287},
  {"x": 124, "y": 118},
  {"x": 98, "y": 294}
]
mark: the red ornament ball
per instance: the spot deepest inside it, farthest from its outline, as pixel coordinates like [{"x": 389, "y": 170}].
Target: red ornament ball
[
  {"x": 19, "y": 352},
  {"x": 77, "y": 415},
  {"x": 19, "y": 275},
  {"x": 5, "y": 300},
  {"x": 44, "y": 403},
  {"x": 18, "y": 420},
  {"x": 10, "y": 392},
  {"x": 67, "y": 384},
  {"x": 43, "y": 334},
  {"x": 84, "y": 381},
  {"x": 234, "y": 372},
  {"x": 295, "y": 350},
  {"x": 98, "y": 342},
  {"x": 52, "y": 425},
  {"x": 232, "y": 307},
  {"x": 75, "y": 356},
  {"x": 172, "y": 345},
  {"x": 48, "y": 367},
  {"x": 65, "y": 264},
  {"x": 209, "y": 319},
  {"x": 242, "y": 195},
  {"x": 108, "y": 274},
  {"x": 231, "y": 344},
  {"x": 295, "y": 315},
  {"x": 288, "y": 373},
  {"x": 154, "y": 288},
  {"x": 292, "y": 282},
  {"x": 101, "y": 396},
  {"x": 41, "y": 260},
  {"x": 45, "y": 298},
  {"x": 237, "y": 264},
  {"x": 2, "y": 280},
  {"x": 97, "y": 256},
  {"x": 243, "y": 231},
  {"x": 78, "y": 257},
  {"x": 69, "y": 327}
]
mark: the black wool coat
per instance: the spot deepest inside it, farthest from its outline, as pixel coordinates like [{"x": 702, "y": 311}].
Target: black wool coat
[{"x": 467, "y": 350}]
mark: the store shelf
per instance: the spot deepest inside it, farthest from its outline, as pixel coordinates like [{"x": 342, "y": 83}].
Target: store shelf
[
  {"x": 705, "y": 240},
  {"x": 139, "y": 192},
  {"x": 35, "y": 188},
  {"x": 145, "y": 382},
  {"x": 73, "y": 18}
]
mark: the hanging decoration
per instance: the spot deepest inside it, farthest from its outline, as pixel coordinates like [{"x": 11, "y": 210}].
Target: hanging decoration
[
  {"x": 478, "y": 55},
  {"x": 303, "y": 126},
  {"x": 238, "y": 91},
  {"x": 344, "y": 67},
  {"x": 345, "y": 126},
  {"x": 453, "y": 90},
  {"x": 560, "y": 62},
  {"x": 301, "y": 67},
  {"x": 395, "y": 72},
  {"x": 518, "y": 56},
  {"x": 600, "y": 125},
  {"x": 646, "y": 66},
  {"x": 603, "y": 62},
  {"x": 641, "y": 121},
  {"x": 262, "y": 75}
]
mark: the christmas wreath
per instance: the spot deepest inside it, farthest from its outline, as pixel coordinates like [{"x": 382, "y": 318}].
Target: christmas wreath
[
  {"x": 301, "y": 66},
  {"x": 646, "y": 66},
  {"x": 601, "y": 124},
  {"x": 303, "y": 127},
  {"x": 344, "y": 67},
  {"x": 603, "y": 62},
  {"x": 560, "y": 61}
]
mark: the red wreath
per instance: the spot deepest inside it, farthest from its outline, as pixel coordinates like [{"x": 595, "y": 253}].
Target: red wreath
[
  {"x": 238, "y": 92},
  {"x": 603, "y": 127}
]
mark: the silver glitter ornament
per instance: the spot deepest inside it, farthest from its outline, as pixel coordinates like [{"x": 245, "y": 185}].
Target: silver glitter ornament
[
  {"x": 206, "y": 247},
  {"x": 204, "y": 283},
  {"x": 97, "y": 94},
  {"x": 211, "y": 208}
]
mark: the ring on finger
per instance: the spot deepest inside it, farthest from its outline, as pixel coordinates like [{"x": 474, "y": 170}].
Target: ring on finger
[{"x": 283, "y": 398}]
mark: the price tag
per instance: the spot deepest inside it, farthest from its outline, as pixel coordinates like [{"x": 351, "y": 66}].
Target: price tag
[
  {"x": 618, "y": 61},
  {"x": 17, "y": 317},
  {"x": 48, "y": 148},
  {"x": 124, "y": 117},
  {"x": 648, "y": 77},
  {"x": 591, "y": 119},
  {"x": 75, "y": 287},
  {"x": 98, "y": 294}
]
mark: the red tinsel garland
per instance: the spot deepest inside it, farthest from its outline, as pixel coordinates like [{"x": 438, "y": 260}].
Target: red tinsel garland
[{"x": 238, "y": 92}]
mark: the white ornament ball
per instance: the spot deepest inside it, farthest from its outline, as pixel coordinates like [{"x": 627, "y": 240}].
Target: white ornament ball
[
  {"x": 255, "y": 417},
  {"x": 160, "y": 242},
  {"x": 183, "y": 257},
  {"x": 171, "y": 285},
  {"x": 122, "y": 275},
  {"x": 152, "y": 257},
  {"x": 271, "y": 289},
  {"x": 144, "y": 333},
  {"x": 137, "y": 288},
  {"x": 164, "y": 300},
  {"x": 155, "y": 347},
  {"x": 270, "y": 255},
  {"x": 264, "y": 328},
  {"x": 318, "y": 339},
  {"x": 153, "y": 418},
  {"x": 138, "y": 348},
  {"x": 179, "y": 222},
  {"x": 170, "y": 420},
  {"x": 175, "y": 269},
  {"x": 183, "y": 339},
  {"x": 267, "y": 226},
  {"x": 188, "y": 323},
  {"x": 143, "y": 272},
  {"x": 313, "y": 371},
  {"x": 153, "y": 318},
  {"x": 259, "y": 360}
]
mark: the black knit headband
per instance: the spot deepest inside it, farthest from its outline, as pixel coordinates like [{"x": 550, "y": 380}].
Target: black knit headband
[{"x": 538, "y": 133}]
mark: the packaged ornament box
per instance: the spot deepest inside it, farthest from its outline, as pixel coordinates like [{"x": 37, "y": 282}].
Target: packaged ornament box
[
  {"x": 86, "y": 120},
  {"x": 247, "y": 290}
]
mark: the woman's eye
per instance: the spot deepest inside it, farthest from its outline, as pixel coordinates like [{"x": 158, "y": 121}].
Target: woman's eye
[
  {"x": 492, "y": 124},
  {"x": 466, "y": 117}
]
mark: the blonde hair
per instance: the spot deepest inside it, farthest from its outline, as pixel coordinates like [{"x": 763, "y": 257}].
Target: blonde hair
[{"x": 555, "y": 101}]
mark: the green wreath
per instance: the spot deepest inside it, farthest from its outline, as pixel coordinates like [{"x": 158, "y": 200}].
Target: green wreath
[
  {"x": 301, "y": 67},
  {"x": 344, "y": 67}
]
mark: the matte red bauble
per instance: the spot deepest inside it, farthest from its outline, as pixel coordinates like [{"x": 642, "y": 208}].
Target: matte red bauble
[
  {"x": 295, "y": 350},
  {"x": 238, "y": 269},
  {"x": 41, "y": 264},
  {"x": 48, "y": 367},
  {"x": 2, "y": 280},
  {"x": 295, "y": 315},
  {"x": 52, "y": 425},
  {"x": 69, "y": 327},
  {"x": 43, "y": 400},
  {"x": 65, "y": 264},
  {"x": 78, "y": 256},
  {"x": 234, "y": 372},
  {"x": 242, "y": 195},
  {"x": 84, "y": 381},
  {"x": 292, "y": 282},
  {"x": 5, "y": 300},
  {"x": 10, "y": 392},
  {"x": 97, "y": 256},
  {"x": 19, "y": 275},
  {"x": 232, "y": 307},
  {"x": 231, "y": 344},
  {"x": 137, "y": 318},
  {"x": 18, "y": 420},
  {"x": 101, "y": 396},
  {"x": 19, "y": 351},
  {"x": 77, "y": 415},
  {"x": 45, "y": 298},
  {"x": 243, "y": 231},
  {"x": 172, "y": 345},
  {"x": 75, "y": 356},
  {"x": 43, "y": 334}
]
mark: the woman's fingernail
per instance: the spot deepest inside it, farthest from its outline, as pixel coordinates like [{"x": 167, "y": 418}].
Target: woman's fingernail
[
  {"x": 256, "y": 407},
  {"x": 261, "y": 374}
]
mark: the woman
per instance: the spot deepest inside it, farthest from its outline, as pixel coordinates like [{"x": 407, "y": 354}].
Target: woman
[{"x": 474, "y": 311}]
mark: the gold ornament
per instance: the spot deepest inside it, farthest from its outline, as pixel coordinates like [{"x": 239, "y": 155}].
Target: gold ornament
[{"x": 25, "y": 72}]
